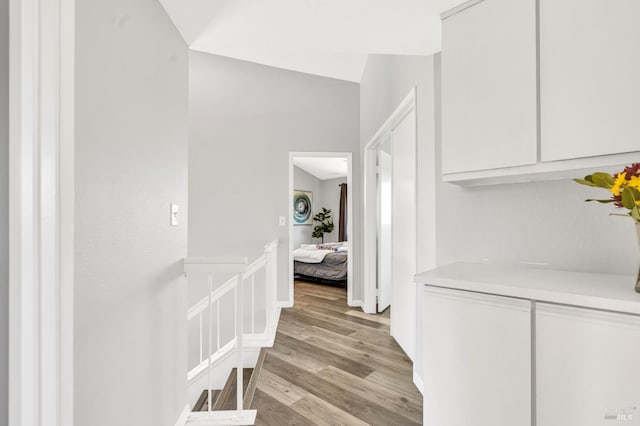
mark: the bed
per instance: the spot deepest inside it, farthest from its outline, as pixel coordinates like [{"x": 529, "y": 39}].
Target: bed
[{"x": 322, "y": 263}]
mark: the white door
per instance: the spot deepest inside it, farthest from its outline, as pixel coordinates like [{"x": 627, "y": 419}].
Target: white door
[
  {"x": 587, "y": 367},
  {"x": 384, "y": 231},
  {"x": 403, "y": 189},
  {"x": 477, "y": 360}
]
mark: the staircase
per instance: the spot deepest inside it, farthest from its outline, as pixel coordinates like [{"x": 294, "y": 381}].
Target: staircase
[
  {"x": 222, "y": 398},
  {"x": 241, "y": 330}
]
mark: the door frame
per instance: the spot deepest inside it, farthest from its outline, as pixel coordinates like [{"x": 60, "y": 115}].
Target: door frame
[
  {"x": 41, "y": 211},
  {"x": 349, "y": 157},
  {"x": 379, "y": 228},
  {"x": 407, "y": 105}
]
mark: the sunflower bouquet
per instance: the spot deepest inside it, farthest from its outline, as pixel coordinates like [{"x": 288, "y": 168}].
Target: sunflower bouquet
[{"x": 624, "y": 188}]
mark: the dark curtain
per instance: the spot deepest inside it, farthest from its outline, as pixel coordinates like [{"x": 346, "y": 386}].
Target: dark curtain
[{"x": 342, "y": 221}]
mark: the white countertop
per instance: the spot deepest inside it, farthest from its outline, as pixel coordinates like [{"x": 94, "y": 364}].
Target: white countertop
[{"x": 590, "y": 290}]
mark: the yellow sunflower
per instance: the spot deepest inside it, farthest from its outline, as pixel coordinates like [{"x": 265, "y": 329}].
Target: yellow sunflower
[{"x": 618, "y": 185}]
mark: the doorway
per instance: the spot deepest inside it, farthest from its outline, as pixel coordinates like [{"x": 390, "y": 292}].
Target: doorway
[
  {"x": 321, "y": 251},
  {"x": 390, "y": 223}
]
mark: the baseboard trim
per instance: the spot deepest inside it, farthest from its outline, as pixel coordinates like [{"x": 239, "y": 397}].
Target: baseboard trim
[
  {"x": 244, "y": 417},
  {"x": 417, "y": 380},
  {"x": 182, "y": 420},
  {"x": 356, "y": 304}
]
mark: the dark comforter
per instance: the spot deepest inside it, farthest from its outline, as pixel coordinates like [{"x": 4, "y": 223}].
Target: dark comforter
[{"x": 332, "y": 268}]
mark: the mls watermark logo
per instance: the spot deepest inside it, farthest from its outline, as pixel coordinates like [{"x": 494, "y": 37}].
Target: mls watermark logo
[{"x": 624, "y": 414}]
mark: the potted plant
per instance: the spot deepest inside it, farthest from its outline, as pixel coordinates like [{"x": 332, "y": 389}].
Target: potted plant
[
  {"x": 625, "y": 194},
  {"x": 325, "y": 224}
]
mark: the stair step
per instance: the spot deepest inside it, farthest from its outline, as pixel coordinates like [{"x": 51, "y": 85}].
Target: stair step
[
  {"x": 227, "y": 399},
  {"x": 250, "y": 390},
  {"x": 203, "y": 401}
]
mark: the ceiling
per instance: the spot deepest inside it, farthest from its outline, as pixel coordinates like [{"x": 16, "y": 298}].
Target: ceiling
[
  {"x": 323, "y": 168},
  {"x": 331, "y": 38}
]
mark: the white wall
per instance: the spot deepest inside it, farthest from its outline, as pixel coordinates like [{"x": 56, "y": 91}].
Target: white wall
[
  {"x": 4, "y": 209},
  {"x": 386, "y": 81},
  {"x": 303, "y": 181},
  {"x": 244, "y": 120},
  {"x": 131, "y": 163}
]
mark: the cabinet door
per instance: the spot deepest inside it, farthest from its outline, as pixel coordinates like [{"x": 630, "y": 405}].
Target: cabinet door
[
  {"x": 489, "y": 86},
  {"x": 587, "y": 367},
  {"x": 589, "y": 78},
  {"x": 476, "y": 359}
]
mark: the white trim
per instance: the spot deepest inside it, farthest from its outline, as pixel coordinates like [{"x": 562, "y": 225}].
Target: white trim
[
  {"x": 349, "y": 157},
  {"x": 543, "y": 171},
  {"x": 184, "y": 416},
  {"x": 406, "y": 106},
  {"x": 455, "y": 10},
  {"x": 417, "y": 380},
  {"x": 230, "y": 417},
  {"x": 357, "y": 303},
  {"x": 41, "y": 212}
]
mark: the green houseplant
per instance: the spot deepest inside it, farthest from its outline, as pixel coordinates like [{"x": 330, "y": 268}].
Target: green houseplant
[
  {"x": 325, "y": 224},
  {"x": 625, "y": 194}
]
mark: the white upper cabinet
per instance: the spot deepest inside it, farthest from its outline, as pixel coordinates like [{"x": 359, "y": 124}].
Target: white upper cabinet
[
  {"x": 489, "y": 87},
  {"x": 589, "y": 78}
]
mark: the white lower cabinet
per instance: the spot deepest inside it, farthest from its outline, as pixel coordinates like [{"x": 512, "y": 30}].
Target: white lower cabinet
[
  {"x": 587, "y": 367},
  {"x": 477, "y": 359}
]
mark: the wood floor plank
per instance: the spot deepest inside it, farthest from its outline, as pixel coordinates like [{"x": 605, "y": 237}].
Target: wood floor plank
[
  {"x": 322, "y": 413},
  {"x": 325, "y": 293},
  {"x": 409, "y": 408},
  {"x": 377, "y": 338},
  {"x": 273, "y": 413},
  {"x": 304, "y": 301},
  {"x": 278, "y": 388},
  {"x": 394, "y": 384},
  {"x": 310, "y": 322},
  {"x": 360, "y": 344},
  {"x": 307, "y": 363},
  {"x": 373, "y": 361},
  {"x": 325, "y": 356},
  {"x": 369, "y": 317},
  {"x": 330, "y": 315},
  {"x": 320, "y": 293},
  {"x": 342, "y": 303},
  {"x": 335, "y": 318},
  {"x": 293, "y": 328},
  {"x": 358, "y": 406},
  {"x": 321, "y": 288},
  {"x": 331, "y": 364}
]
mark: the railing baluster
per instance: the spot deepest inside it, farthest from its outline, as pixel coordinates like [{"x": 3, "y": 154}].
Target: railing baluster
[
  {"x": 210, "y": 276},
  {"x": 217, "y": 325},
  {"x": 253, "y": 307},
  {"x": 239, "y": 331},
  {"x": 267, "y": 288},
  {"x": 201, "y": 342}
]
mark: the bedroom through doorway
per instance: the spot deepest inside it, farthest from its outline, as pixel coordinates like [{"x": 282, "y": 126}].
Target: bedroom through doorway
[{"x": 320, "y": 223}]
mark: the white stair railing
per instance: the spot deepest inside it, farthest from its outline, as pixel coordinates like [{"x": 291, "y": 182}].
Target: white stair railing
[{"x": 243, "y": 273}]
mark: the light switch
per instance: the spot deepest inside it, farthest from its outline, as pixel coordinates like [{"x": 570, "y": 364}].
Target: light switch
[
  {"x": 174, "y": 209},
  {"x": 282, "y": 220}
]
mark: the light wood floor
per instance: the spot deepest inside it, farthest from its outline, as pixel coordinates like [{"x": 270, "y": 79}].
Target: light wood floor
[{"x": 334, "y": 365}]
